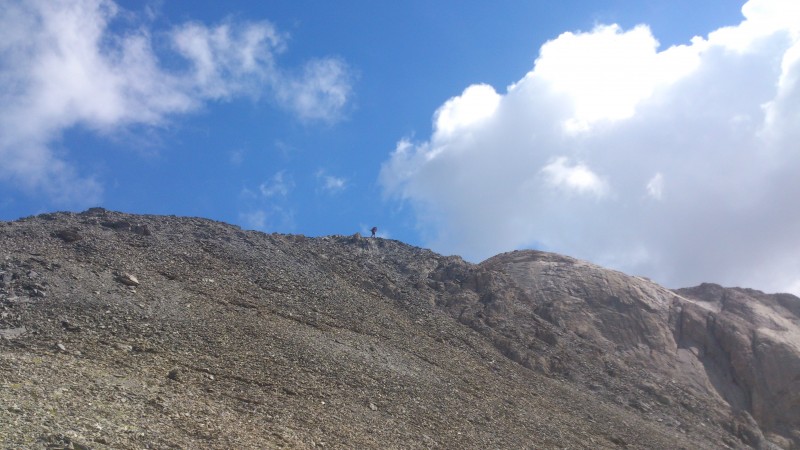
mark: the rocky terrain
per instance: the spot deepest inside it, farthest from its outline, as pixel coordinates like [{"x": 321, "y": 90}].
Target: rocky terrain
[{"x": 126, "y": 331}]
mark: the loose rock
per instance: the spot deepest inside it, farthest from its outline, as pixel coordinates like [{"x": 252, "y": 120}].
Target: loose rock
[{"x": 128, "y": 279}]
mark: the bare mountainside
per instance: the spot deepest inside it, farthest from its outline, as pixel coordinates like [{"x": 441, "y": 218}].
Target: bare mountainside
[{"x": 126, "y": 331}]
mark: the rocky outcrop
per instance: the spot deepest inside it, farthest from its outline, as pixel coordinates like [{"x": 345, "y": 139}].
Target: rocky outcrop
[
  {"x": 735, "y": 351},
  {"x": 749, "y": 343},
  {"x": 124, "y": 331}
]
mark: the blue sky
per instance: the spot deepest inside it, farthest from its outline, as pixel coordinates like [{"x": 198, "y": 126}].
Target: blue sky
[{"x": 641, "y": 135}]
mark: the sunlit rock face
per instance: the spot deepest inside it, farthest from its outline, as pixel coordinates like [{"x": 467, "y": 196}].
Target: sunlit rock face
[{"x": 739, "y": 346}]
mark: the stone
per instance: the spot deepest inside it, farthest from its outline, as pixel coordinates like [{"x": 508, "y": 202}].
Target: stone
[
  {"x": 289, "y": 391},
  {"x": 69, "y": 326},
  {"x": 174, "y": 375},
  {"x": 123, "y": 347},
  {"x": 619, "y": 441},
  {"x": 747, "y": 429},
  {"x": 68, "y": 235},
  {"x": 95, "y": 210},
  {"x": 779, "y": 440},
  {"x": 141, "y": 230},
  {"x": 12, "y": 333},
  {"x": 127, "y": 279},
  {"x": 79, "y": 446}
]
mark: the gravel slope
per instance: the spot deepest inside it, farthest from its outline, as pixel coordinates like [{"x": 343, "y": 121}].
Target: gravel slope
[{"x": 125, "y": 331}]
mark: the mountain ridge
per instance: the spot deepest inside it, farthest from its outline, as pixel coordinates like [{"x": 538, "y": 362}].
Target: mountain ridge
[{"x": 269, "y": 340}]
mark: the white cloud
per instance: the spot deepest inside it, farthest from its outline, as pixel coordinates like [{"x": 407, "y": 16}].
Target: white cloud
[
  {"x": 320, "y": 93},
  {"x": 576, "y": 178},
  {"x": 229, "y": 57},
  {"x": 268, "y": 207},
  {"x": 236, "y": 157},
  {"x": 334, "y": 183},
  {"x": 279, "y": 185},
  {"x": 476, "y": 103},
  {"x": 270, "y": 218},
  {"x": 655, "y": 187},
  {"x": 62, "y": 65},
  {"x": 329, "y": 183},
  {"x": 254, "y": 220},
  {"x": 677, "y": 163},
  {"x": 607, "y": 72}
]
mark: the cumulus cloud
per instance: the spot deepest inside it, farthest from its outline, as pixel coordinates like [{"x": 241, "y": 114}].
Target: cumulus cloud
[
  {"x": 63, "y": 65},
  {"x": 577, "y": 177},
  {"x": 478, "y": 102},
  {"x": 676, "y": 163}
]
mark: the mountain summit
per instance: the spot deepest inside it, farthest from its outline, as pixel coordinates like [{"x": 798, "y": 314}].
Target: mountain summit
[{"x": 132, "y": 331}]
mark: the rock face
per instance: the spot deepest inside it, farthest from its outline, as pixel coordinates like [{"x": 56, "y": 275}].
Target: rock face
[
  {"x": 749, "y": 343},
  {"x": 123, "y": 331},
  {"x": 736, "y": 351}
]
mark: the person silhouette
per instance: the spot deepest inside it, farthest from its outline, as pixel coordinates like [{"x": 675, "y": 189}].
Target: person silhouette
[{"x": 374, "y": 230}]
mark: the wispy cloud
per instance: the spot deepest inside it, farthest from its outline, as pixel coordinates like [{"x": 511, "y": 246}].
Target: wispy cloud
[
  {"x": 279, "y": 185},
  {"x": 269, "y": 206},
  {"x": 329, "y": 183},
  {"x": 677, "y": 163},
  {"x": 320, "y": 92},
  {"x": 269, "y": 218},
  {"x": 655, "y": 187},
  {"x": 236, "y": 157},
  {"x": 63, "y": 65},
  {"x": 254, "y": 220},
  {"x": 230, "y": 58}
]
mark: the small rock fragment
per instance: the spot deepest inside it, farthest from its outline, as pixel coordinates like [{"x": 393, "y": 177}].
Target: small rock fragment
[
  {"x": 79, "y": 446},
  {"x": 69, "y": 327},
  {"x": 123, "y": 347},
  {"x": 127, "y": 279},
  {"x": 61, "y": 347},
  {"x": 174, "y": 375},
  {"x": 11, "y": 333},
  {"x": 373, "y": 407},
  {"x": 289, "y": 391},
  {"x": 619, "y": 441}
]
